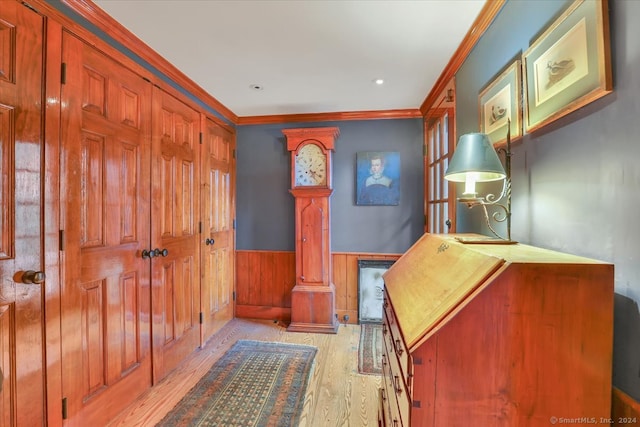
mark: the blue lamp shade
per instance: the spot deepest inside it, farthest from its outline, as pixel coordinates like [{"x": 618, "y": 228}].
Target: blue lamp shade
[{"x": 475, "y": 159}]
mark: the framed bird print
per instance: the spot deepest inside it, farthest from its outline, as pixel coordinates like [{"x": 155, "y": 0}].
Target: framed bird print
[
  {"x": 499, "y": 105},
  {"x": 569, "y": 65}
]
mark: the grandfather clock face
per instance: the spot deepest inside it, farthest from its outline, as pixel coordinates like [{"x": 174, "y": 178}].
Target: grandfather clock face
[{"x": 310, "y": 166}]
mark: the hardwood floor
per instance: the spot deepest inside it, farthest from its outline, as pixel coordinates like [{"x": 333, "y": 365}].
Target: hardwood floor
[{"x": 337, "y": 394}]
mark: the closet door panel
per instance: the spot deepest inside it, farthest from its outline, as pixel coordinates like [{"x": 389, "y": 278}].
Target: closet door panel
[
  {"x": 22, "y": 388},
  {"x": 105, "y": 175},
  {"x": 217, "y": 239},
  {"x": 174, "y": 221}
]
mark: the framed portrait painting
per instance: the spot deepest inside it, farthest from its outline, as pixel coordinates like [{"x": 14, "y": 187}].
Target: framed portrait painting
[
  {"x": 569, "y": 65},
  {"x": 370, "y": 286},
  {"x": 499, "y": 104},
  {"x": 378, "y": 178}
]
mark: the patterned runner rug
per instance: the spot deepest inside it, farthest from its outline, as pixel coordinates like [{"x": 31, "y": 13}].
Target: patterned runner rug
[
  {"x": 370, "y": 349},
  {"x": 254, "y": 383}
]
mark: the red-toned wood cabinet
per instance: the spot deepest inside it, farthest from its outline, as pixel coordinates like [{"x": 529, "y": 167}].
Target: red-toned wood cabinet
[
  {"x": 495, "y": 335},
  {"x": 117, "y": 243}
]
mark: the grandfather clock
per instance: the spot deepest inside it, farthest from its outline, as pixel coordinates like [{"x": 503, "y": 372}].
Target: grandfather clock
[{"x": 313, "y": 296}]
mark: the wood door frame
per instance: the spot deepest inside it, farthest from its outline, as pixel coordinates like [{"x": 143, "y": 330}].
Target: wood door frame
[
  {"x": 445, "y": 105},
  {"x": 52, "y": 223}
]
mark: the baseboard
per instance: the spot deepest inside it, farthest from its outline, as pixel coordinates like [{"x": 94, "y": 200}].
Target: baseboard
[
  {"x": 625, "y": 410},
  {"x": 263, "y": 312},
  {"x": 353, "y": 316}
]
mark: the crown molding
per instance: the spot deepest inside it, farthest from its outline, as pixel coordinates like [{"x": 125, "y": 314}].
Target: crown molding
[
  {"x": 489, "y": 11},
  {"x": 90, "y": 11},
  {"x": 330, "y": 117}
]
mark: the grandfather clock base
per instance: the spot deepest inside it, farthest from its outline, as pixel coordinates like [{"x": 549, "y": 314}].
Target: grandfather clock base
[{"x": 312, "y": 309}]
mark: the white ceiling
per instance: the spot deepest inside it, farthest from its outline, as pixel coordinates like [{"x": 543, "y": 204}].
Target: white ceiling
[{"x": 309, "y": 56}]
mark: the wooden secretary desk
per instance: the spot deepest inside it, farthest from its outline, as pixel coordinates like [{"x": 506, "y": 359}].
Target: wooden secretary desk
[{"x": 495, "y": 335}]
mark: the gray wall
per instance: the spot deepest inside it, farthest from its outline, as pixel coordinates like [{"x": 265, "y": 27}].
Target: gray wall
[
  {"x": 576, "y": 183},
  {"x": 265, "y": 207}
]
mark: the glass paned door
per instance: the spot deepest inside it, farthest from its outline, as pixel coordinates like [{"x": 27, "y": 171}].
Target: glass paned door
[{"x": 439, "y": 206}]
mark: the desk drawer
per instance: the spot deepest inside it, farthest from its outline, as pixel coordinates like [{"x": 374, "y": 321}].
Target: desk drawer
[
  {"x": 394, "y": 418},
  {"x": 397, "y": 387},
  {"x": 393, "y": 338},
  {"x": 395, "y": 392},
  {"x": 383, "y": 410},
  {"x": 389, "y": 396}
]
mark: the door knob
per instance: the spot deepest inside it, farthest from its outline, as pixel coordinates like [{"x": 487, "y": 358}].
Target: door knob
[
  {"x": 148, "y": 254},
  {"x": 161, "y": 252},
  {"x": 31, "y": 276},
  {"x": 209, "y": 241}
]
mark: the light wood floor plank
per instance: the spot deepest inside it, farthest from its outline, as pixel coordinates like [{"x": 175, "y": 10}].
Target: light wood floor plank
[{"x": 337, "y": 394}]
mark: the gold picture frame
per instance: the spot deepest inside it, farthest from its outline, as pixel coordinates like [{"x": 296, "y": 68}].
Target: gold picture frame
[
  {"x": 499, "y": 104},
  {"x": 569, "y": 65}
]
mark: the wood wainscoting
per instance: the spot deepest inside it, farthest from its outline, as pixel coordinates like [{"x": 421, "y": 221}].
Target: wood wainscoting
[
  {"x": 265, "y": 280},
  {"x": 625, "y": 411}
]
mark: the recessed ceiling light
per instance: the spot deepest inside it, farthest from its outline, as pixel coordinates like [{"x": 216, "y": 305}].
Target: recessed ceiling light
[
  {"x": 378, "y": 81},
  {"x": 256, "y": 87}
]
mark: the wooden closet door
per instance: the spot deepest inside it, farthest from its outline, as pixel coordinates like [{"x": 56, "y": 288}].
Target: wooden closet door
[
  {"x": 217, "y": 239},
  {"x": 174, "y": 212},
  {"x": 22, "y": 400},
  {"x": 105, "y": 188}
]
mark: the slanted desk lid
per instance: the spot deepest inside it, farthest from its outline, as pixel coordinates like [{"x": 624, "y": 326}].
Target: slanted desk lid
[{"x": 431, "y": 279}]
